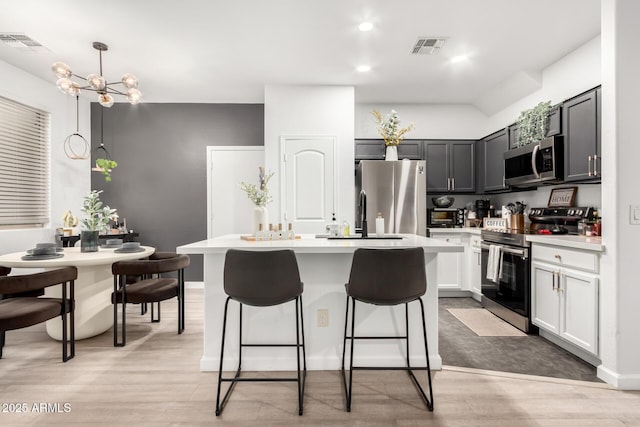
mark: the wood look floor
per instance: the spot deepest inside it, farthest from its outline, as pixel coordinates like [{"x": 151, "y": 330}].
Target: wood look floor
[{"x": 155, "y": 381}]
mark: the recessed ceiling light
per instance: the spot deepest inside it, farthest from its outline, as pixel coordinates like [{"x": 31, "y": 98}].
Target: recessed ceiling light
[
  {"x": 365, "y": 26},
  {"x": 363, "y": 68},
  {"x": 459, "y": 58}
]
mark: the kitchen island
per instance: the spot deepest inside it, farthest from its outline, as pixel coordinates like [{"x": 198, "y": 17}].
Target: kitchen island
[{"x": 324, "y": 268}]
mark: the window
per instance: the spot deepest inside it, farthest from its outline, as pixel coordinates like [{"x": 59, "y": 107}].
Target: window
[{"x": 24, "y": 165}]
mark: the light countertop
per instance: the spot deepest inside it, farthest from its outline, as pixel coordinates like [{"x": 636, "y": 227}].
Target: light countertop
[
  {"x": 577, "y": 242},
  {"x": 455, "y": 230},
  {"x": 308, "y": 243}
]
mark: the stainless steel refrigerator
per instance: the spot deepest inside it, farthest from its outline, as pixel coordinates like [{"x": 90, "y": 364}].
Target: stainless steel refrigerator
[{"x": 396, "y": 189}]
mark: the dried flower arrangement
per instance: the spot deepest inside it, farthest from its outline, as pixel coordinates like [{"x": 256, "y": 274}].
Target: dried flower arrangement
[
  {"x": 259, "y": 195},
  {"x": 389, "y": 129}
]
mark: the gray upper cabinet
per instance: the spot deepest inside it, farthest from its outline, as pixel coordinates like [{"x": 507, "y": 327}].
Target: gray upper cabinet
[
  {"x": 369, "y": 149},
  {"x": 450, "y": 166},
  {"x": 374, "y": 149},
  {"x": 493, "y": 148},
  {"x": 581, "y": 132}
]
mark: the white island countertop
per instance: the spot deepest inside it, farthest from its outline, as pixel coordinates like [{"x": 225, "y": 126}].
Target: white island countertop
[
  {"x": 324, "y": 266},
  {"x": 309, "y": 243}
]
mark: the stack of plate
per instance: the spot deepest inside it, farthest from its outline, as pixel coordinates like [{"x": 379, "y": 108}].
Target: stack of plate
[
  {"x": 43, "y": 251},
  {"x": 130, "y": 247},
  {"x": 112, "y": 244}
]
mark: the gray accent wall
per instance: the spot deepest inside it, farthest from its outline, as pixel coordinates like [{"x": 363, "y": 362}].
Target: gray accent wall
[{"x": 160, "y": 183}]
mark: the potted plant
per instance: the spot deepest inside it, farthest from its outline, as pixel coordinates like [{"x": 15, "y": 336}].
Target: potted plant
[
  {"x": 260, "y": 197},
  {"x": 391, "y": 132},
  {"x": 97, "y": 218},
  {"x": 105, "y": 166},
  {"x": 532, "y": 124}
]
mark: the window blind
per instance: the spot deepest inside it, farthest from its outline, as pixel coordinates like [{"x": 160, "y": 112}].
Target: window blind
[{"x": 24, "y": 165}]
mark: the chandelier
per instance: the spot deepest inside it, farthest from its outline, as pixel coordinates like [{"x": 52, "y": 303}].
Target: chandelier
[{"x": 97, "y": 83}]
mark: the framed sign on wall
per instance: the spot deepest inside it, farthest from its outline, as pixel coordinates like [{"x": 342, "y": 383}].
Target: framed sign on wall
[{"x": 562, "y": 197}]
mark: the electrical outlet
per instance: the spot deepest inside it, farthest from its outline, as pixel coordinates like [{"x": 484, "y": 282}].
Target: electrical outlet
[{"x": 323, "y": 318}]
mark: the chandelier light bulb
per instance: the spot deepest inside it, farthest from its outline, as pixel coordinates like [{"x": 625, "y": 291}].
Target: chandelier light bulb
[
  {"x": 61, "y": 69},
  {"x": 129, "y": 80},
  {"x": 64, "y": 84},
  {"x": 105, "y": 100},
  {"x": 134, "y": 95},
  {"x": 96, "y": 81},
  {"x": 74, "y": 89}
]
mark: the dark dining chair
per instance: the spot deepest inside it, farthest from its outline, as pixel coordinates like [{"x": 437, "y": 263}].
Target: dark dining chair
[
  {"x": 262, "y": 279},
  {"x": 20, "y": 309},
  {"x": 386, "y": 277},
  {"x": 152, "y": 285}
]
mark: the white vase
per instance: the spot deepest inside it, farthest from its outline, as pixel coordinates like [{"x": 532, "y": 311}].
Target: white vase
[
  {"x": 391, "y": 153},
  {"x": 260, "y": 216}
]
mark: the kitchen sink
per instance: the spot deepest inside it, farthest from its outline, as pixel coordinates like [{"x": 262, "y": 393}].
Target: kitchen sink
[{"x": 358, "y": 237}]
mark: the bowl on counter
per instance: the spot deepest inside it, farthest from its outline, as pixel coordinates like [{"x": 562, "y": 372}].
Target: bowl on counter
[{"x": 443, "y": 201}]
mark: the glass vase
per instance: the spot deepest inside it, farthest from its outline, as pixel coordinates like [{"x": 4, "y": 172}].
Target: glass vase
[{"x": 89, "y": 240}]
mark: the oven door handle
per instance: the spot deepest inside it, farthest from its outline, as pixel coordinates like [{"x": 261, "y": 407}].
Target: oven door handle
[{"x": 520, "y": 252}]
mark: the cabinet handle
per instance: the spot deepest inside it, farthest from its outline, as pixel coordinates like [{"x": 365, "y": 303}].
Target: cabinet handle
[
  {"x": 589, "y": 165},
  {"x": 453, "y": 184},
  {"x": 553, "y": 281},
  {"x": 558, "y": 257},
  {"x": 595, "y": 165},
  {"x": 558, "y": 285},
  {"x": 504, "y": 182}
]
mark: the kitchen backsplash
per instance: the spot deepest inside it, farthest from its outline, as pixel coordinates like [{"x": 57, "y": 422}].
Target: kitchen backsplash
[{"x": 587, "y": 195}]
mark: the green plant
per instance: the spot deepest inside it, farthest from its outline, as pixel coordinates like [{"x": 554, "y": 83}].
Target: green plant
[
  {"x": 259, "y": 195},
  {"x": 388, "y": 128},
  {"x": 97, "y": 214},
  {"x": 106, "y": 166},
  {"x": 532, "y": 124}
]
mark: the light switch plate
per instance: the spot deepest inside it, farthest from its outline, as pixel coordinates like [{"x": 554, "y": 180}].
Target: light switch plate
[{"x": 634, "y": 214}]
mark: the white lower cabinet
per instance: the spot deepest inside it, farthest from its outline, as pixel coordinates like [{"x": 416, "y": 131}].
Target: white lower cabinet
[
  {"x": 564, "y": 298},
  {"x": 450, "y": 266},
  {"x": 474, "y": 267}
]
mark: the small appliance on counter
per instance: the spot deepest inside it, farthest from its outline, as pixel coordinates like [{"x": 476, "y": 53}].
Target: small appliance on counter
[
  {"x": 483, "y": 209},
  {"x": 445, "y": 217}
]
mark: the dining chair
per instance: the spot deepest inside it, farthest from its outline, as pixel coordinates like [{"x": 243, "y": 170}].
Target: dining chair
[
  {"x": 153, "y": 285},
  {"x": 386, "y": 277},
  {"x": 262, "y": 279},
  {"x": 19, "y": 309}
]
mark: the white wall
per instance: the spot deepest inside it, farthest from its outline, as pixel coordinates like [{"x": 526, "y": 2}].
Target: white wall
[
  {"x": 313, "y": 111},
  {"x": 575, "y": 73},
  {"x": 70, "y": 179},
  {"x": 620, "y": 291}
]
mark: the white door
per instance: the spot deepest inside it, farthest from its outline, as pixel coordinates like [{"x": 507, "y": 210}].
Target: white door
[
  {"x": 308, "y": 182},
  {"x": 229, "y": 209}
]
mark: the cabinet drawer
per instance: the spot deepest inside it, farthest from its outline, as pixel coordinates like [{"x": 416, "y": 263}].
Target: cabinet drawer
[{"x": 575, "y": 258}]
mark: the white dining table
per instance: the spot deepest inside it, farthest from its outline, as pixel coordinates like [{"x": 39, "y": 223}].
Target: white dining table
[{"x": 93, "y": 287}]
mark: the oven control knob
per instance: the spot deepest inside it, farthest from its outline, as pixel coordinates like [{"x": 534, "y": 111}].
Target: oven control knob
[
  {"x": 571, "y": 211},
  {"x": 579, "y": 212}
]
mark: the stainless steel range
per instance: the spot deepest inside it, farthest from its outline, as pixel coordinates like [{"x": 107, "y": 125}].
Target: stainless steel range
[{"x": 506, "y": 264}]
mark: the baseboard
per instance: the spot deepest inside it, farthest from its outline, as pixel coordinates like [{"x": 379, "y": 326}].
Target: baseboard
[
  {"x": 453, "y": 293},
  {"x": 582, "y": 354},
  {"x": 194, "y": 285},
  {"x": 622, "y": 382}
]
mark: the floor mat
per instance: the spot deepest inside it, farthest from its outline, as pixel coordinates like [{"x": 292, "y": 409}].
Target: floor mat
[{"x": 484, "y": 323}]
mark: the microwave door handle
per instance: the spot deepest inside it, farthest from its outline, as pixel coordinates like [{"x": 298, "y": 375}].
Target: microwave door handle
[{"x": 533, "y": 160}]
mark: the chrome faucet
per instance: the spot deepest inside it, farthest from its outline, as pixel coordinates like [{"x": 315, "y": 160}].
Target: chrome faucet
[{"x": 363, "y": 213}]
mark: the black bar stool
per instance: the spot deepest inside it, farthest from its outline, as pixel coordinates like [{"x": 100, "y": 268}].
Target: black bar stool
[
  {"x": 262, "y": 279},
  {"x": 386, "y": 277}
]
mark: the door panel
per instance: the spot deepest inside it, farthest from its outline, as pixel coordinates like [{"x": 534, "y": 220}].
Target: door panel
[{"x": 308, "y": 182}]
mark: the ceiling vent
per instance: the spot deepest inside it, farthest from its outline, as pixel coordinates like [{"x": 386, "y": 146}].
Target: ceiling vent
[
  {"x": 21, "y": 41},
  {"x": 428, "y": 45}
]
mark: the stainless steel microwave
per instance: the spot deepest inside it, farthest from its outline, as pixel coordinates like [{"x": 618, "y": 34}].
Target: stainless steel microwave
[{"x": 535, "y": 163}]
